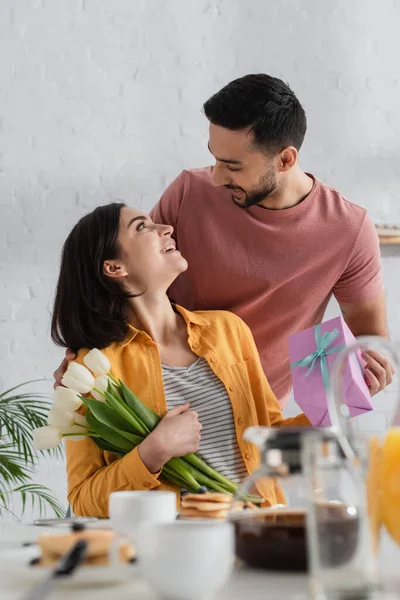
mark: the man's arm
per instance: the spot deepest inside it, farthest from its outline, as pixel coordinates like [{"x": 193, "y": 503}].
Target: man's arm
[
  {"x": 369, "y": 318},
  {"x": 366, "y": 318},
  {"x": 359, "y": 292}
]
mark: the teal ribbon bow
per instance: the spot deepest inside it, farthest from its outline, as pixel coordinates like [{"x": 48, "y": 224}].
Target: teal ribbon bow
[{"x": 322, "y": 341}]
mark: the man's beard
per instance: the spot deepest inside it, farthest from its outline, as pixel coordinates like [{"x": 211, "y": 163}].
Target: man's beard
[{"x": 266, "y": 187}]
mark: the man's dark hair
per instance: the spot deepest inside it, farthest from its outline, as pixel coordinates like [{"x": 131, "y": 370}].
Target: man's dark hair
[
  {"x": 264, "y": 104},
  {"x": 90, "y": 309}
]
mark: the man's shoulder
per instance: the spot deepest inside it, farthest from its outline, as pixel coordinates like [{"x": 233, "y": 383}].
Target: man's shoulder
[
  {"x": 197, "y": 177},
  {"x": 187, "y": 186},
  {"x": 331, "y": 213},
  {"x": 332, "y": 199},
  {"x": 187, "y": 183},
  {"x": 201, "y": 176},
  {"x": 190, "y": 190}
]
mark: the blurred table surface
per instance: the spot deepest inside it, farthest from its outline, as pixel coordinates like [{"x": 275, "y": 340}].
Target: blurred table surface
[{"x": 244, "y": 584}]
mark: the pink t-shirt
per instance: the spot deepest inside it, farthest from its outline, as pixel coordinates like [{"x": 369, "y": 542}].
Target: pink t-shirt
[{"x": 276, "y": 269}]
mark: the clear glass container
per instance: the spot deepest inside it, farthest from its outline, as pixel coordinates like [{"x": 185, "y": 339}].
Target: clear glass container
[
  {"x": 371, "y": 444},
  {"x": 342, "y": 563},
  {"x": 273, "y": 537}
]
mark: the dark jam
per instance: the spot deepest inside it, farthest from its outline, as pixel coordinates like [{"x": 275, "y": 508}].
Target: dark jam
[{"x": 277, "y": 542}]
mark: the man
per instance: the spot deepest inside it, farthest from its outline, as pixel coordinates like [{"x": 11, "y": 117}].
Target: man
[{"x": 267, "y": 241}]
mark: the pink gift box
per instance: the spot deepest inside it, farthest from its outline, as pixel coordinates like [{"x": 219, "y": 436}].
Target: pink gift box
[{"x": 311, "y": 377}]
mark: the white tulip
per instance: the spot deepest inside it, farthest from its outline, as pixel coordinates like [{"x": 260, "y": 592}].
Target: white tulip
[
  {"x": 97, "y": 362},
  {"x": 101, "y": 385},
  {"x": 80, "y": 426},
  {"x": 45, "y": 438},
  {"x": 61, "y": 419},
  {"x": 66, "y": 399},
  {"x": 78, "y": 378},
  {"x": 81, "y": 420},
  {"x": 76, "y": 438}
]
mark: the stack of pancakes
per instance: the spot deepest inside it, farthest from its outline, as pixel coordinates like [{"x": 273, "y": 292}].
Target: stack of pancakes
[
  {"x": 99, "y": 547},
  {"x": 211, "y": 505}
]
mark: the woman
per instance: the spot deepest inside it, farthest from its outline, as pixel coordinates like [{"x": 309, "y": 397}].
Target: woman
[{"x": 200, "y": 369}]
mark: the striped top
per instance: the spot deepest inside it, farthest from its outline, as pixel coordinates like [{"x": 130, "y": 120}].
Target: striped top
[{"x": 207, "y": 395}]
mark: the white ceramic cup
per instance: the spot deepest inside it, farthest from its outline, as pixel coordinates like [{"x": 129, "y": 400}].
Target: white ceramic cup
[
  {"x": 128, "y": 509},
  {"x": 186, "y": 560}
]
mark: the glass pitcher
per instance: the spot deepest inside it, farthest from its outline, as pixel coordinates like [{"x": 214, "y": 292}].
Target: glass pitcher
[
  {"x": 341, "y": 559},
  {"x": 274, "y": 537},
  {"x": 371, "y": 445}
]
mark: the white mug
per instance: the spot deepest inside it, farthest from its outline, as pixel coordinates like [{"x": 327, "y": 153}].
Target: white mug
[
  {"x": 186, "y": 560},
  {"x": 128, "y": 509}
]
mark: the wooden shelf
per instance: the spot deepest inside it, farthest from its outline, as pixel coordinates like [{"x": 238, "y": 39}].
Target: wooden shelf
[
  {"x": 389, "y": 240},
  {"x": 388, "y": 233}
]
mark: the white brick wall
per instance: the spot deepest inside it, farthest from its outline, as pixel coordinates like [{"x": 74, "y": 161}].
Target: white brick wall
[{"x": 100, "y": 100}]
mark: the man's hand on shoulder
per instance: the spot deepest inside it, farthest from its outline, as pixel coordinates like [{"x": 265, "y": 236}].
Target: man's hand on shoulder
[{"x": 60, "y": 371}]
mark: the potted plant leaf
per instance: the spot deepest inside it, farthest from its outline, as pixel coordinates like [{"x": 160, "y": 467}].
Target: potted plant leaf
[{"x": 19, "y": 412}]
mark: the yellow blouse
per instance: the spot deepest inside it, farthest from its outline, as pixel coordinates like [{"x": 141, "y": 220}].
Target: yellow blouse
[{"x": 227, "y": 344}]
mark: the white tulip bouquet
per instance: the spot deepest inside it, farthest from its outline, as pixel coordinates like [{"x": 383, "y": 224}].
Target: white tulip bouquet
[{"x": 117, "y": 421}]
